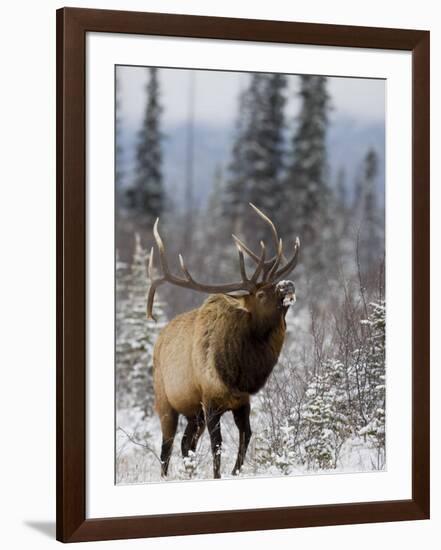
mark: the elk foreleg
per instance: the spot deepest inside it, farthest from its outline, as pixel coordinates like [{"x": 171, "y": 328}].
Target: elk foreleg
[
  {"x": 213, "y": 418},
  {"x": 242, "y": 419}
]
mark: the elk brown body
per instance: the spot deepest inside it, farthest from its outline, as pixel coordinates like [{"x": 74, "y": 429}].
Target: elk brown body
[{"x": 210, "y": 360}]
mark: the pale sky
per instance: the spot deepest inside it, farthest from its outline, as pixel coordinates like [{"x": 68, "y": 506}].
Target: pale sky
[{"x": 216, "y": 93}]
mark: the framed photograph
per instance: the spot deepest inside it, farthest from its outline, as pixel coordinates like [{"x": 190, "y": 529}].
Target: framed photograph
[{"x": 242, "y": 274}]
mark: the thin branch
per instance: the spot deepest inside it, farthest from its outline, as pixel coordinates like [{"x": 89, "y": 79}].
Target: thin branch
[{"x": 146, "y": 447}]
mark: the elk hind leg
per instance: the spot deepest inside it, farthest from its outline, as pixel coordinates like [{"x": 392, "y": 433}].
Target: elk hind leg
[
  {"x": 193, "y": 431},
  {"x": 212, "y": 418},
  {"x": 169, "y": 423},
  {"x": 242, "y": 420}
]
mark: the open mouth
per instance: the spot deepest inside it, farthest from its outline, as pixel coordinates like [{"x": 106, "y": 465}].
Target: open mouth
[{"x": 289, "y": 299}]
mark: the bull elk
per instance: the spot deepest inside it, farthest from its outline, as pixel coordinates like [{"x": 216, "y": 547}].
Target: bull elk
[{"x": 210, "y": 360}]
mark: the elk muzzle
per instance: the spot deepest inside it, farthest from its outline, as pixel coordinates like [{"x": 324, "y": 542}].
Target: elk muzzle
[{"x": 287, "y": 292}]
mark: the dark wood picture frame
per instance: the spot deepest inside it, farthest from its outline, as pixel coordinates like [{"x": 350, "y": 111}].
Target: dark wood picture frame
[{"x": 72, "y": 26}]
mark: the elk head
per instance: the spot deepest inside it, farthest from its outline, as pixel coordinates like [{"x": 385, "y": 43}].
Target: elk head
[{"x": 267, "y": 294}]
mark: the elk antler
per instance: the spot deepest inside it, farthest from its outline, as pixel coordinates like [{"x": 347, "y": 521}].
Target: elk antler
[
  {"x": 268, "y": 268},
  {"x": 270, "y": 273},
  {"x": 189, "y": 282}
]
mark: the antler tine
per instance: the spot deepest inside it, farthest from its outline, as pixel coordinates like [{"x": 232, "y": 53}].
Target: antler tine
[
  {"x": 243, "y": 272},
  {"x": 150, "y": 300},
  {"x": 165, "y": 270},
  {"x": 184, "y": 268},
  {"x": 273, "y": 269},
  {"x": 267, "y": 264},
  {"x": 154, "y": 285},
  {"x": 161, "y": 248},
  {"x": 150, "y": 266},
  {"x": 291, "y": 263},
  {"x": 244, "y": 247},
  {"x": 260, "y": 265},
  {"x": 269, "y": 222}
]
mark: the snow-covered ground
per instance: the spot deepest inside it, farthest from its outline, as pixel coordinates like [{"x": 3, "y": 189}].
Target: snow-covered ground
[
  {"x": 322, "y": 410},
  {"x": 138, "y": 444}
]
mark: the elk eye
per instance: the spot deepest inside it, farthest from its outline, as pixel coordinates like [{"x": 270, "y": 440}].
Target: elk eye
[{"x": 260, "y": 294}]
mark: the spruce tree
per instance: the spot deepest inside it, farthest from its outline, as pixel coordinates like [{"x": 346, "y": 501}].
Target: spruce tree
[
  {"x": 306, "y": 190},
  {"x": 341, "y": 188},
  {"x": 238, "y": 184},
  {"x": 135, "y": 335},
  {"x": 146, "y": 197},
  {"x": 265, "y": 155},
  {"x": 218, "y": 253},
  {"x": 118, "y": 138},
  {"x": 375, "y": 394},
  {"x": 325, "y": 416},
  {"x": 257, "y": 155},
  {"x": 369, "y": 213},
  {"x": 340, "y": 228}
]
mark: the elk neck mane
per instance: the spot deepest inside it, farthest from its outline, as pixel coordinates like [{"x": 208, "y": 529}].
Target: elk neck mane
[{"x": 244, "y": 351}]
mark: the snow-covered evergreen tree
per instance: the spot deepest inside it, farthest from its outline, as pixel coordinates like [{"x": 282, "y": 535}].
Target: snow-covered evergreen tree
[
  {"x": 266, "y": 155},
  {"x": 146, "y": 196},
  {"x": 118, "y": 141},
  {"x": 122, "y": 346},
  {"x": 370, "y": 212},
  {"x": 375, "y": 392},
  {"x": 235, "y": 186},
  {"x": 135, "y": 335},
  {"x": 257, "y": 155},
  {"x": 213, "y": 237},
  {"x": 306, "y": 189},
  {"x": 277, "y": 453},
  {"x": 342, "y": 192},
  {"x": 324, "y": 417}
]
